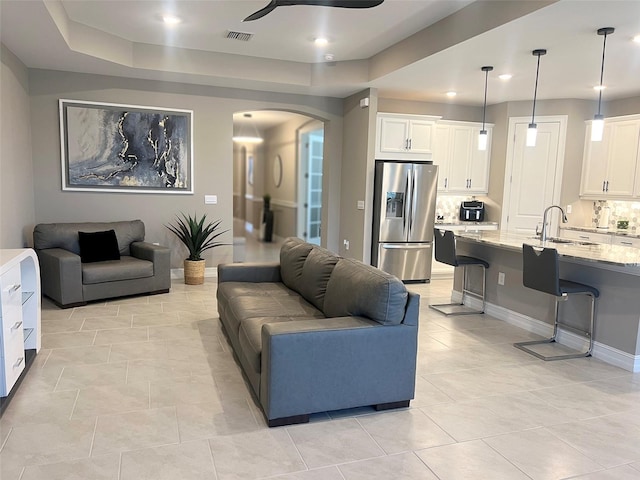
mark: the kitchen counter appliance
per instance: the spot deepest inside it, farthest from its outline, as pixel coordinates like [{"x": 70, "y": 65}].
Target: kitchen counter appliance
[
  {"x": 472, "y": 211},
  {"x": 403, "y": 218}
]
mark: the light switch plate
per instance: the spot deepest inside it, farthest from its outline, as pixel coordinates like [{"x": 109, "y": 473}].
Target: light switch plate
[
  {"x": 210, "y": 199},
  {"x": 360, "y": 205}
]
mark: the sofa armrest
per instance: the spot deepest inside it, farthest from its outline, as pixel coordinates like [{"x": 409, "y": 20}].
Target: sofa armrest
[
  {"x": 249, "y": 272},
  {"x": 61, "y": 276},
  {"x": 327, "y": 364},
  {"x": 161, "y": 258}
]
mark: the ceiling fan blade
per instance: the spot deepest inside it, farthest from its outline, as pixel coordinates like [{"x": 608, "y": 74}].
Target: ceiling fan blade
[
  {"x": 322, "y": 3},
  {"x": 263, "y": 11}
]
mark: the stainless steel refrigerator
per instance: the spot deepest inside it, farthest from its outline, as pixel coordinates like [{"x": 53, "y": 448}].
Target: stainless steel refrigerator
[{"x": 403, "y": 216}]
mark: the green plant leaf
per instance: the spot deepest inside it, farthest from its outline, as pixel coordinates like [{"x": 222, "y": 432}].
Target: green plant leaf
[{"x": 196, "y": 235}]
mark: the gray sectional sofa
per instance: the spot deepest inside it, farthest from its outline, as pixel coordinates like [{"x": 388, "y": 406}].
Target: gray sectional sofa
[
  {"x": 141, "y": 268},
  {"x": 317, "y": 332}
]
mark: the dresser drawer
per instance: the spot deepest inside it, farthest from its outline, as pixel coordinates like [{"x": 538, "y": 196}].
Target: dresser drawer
[
  {"x": 13, "y": 360},
  {"x": 10, "y": 294}
]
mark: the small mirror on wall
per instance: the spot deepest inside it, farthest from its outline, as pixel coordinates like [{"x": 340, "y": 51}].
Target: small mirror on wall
[{"x": 277, "y": 171}]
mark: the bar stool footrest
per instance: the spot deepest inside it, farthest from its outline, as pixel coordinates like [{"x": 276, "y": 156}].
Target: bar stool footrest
[{"x": 523, "y": 346}]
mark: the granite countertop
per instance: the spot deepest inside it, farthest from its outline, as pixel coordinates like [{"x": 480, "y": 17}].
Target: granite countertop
[
  {"x": 616, "y": 255},
  {"x": 606, "y": 231},
  {"x": 460, "y": 222}
]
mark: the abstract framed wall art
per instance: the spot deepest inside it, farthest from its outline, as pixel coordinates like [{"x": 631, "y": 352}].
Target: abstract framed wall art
[{"x": 126, "y": 148}]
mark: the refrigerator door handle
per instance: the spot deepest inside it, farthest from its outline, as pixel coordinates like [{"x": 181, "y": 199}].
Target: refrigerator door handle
[
  {"x": 414, "y": 201},
  {"x": 407, "y": 205}
]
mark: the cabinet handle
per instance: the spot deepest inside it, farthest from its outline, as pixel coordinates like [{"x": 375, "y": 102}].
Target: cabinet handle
[
  {"x": 583, "y": 237},
  {"x": 603, "y": 184},
  {"x": 409, "y": 144},
  {"x": 17, "y": 325},
  {"x": 406, "y": 144},
  {"x": 626, "y": 243},
  {"x": 18, "y": 362},
  {"x": 607, "y": 186},
  {"x": 445, "y": 182},
  {"x": 15, "y": 288}
]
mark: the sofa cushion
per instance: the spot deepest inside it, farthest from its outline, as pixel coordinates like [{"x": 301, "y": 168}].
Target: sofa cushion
[
  {"x": 358, "y": 289},
  {"x": 229, "y": 290},
  {"x": 127, "y": 268},
  {"x": 65, "y": 235},
  {"x": 293, "y": 254},
  {"x": 316, "y": 271},
  {"x": 98, "y": 246}
]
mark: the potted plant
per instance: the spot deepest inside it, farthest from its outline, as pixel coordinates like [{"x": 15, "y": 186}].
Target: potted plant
[{"x": 198, "y": 237}]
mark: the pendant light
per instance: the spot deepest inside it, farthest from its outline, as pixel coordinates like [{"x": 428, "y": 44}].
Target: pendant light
[
  {"x": 483, "y": 137},
  {"x": 532, "y": 131},
  {"x": 247, "y": 132},
  {"x": 597, "y": 126}
]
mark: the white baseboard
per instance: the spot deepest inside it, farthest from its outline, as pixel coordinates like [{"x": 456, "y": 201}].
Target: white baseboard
[
  {"x": 603, "y": 352},
  {"x": 178, "y": 273}
]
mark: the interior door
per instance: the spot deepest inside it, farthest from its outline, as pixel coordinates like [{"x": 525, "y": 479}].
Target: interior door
[
  {"x": 313, "y": 143},
  {"x": 534, "y": 179}
]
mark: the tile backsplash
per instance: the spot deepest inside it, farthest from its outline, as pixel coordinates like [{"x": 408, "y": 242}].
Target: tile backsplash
[
  {"x": 617, "y": 211},
  {"x": 448, "y": 206}
]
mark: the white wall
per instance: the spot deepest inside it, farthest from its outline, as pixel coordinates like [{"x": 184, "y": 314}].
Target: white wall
[{"x": 17, "y": 210}]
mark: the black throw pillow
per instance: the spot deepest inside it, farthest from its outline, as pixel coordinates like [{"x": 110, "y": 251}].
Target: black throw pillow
[{"x": 98, "y": 246}]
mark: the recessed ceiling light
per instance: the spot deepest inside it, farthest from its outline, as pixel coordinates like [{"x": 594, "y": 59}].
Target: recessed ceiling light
[
  {"x": 329, "y": 57},
  {"x": 451, "y": 94},
  {"x": 597, "y": 88},
  {"x": 636, "y": 39},
  {"x": 171, "y": 19},
  {"x": 321, "y": 41},
  {"x": 505, "y": 76}
]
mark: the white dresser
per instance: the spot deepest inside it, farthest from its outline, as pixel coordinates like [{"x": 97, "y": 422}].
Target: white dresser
[{"x": 19, "y": 316}]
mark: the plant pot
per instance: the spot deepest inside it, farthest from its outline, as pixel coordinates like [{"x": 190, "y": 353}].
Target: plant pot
[{"x": 194, "y": 272}]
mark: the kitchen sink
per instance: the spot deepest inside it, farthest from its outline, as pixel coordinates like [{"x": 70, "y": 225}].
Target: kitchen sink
[{"x": 566, "y": 241}]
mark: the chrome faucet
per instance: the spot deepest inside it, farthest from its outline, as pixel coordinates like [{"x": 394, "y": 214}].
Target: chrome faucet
[{"x": 543, "y": 234}]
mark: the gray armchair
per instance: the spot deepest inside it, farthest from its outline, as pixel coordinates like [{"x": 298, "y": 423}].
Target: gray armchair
[{"x": 142, "y": 267}]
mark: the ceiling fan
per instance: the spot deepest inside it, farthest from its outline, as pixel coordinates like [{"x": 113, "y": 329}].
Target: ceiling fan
[{"x": 322, "y": 3}]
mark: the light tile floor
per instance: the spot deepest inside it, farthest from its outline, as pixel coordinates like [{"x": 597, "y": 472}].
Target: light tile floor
[{"x": 147, "y": 388}]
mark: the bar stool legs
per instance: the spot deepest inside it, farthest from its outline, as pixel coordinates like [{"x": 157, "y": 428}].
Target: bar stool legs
[
  {"x": 589, "y": 334},
  {"x": 461, "y": 308}
]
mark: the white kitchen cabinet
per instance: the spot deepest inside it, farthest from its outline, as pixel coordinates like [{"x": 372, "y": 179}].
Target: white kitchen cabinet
[
  {"x": 19, "y": 315},
  {"x": 404, "y": 137},
  {"x": 586, "y": 236},
  {"x": 610, "y": 166},
  {"x": 462, "y": 167}
]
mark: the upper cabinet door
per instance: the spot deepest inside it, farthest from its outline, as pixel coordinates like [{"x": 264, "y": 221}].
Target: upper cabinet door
[
  {"x": 623, "y": 154},
  {"x": 441, "y": 145},
  {"x": 393, "y": 135},
  {"x": 420, "y": 135},
  {"x": 479, "y": 166},
  {"x": 404, "y": 137},
  {"x": 609, "y": 167},
  {"x": 594, "y": 163}
]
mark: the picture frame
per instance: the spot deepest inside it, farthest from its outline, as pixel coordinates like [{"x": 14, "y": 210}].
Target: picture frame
[{"x": 110, "y": 147}]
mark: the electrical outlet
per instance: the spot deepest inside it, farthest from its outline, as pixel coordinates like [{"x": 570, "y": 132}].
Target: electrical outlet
[
  {"x": 568, "y": 209},
  {"x": 500, "y": 278}
]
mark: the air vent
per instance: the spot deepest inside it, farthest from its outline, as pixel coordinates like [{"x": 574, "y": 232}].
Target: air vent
[{"x": 242, "y": 36}]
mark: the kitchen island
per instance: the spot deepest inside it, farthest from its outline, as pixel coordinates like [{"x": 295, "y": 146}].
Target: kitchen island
[{"x": 614, "y": 270}]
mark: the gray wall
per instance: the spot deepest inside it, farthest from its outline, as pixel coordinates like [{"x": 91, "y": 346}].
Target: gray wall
[
  {"x": 357, "y": 175},
  {"x": 448, "y": 111},
  {"x": 213, "y": 152},
  {"x": 17, "y": 208}
]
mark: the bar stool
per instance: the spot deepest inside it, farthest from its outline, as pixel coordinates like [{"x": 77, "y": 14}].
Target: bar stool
[
  {"x": 446, "y": 253},
  {"x": 541, "y": 271}
]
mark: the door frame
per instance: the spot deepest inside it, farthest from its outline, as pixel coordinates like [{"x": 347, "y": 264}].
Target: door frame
[{"x": 511, "y": 140}]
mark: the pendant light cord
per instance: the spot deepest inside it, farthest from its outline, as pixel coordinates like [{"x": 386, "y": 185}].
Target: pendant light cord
[
  {"x": 604, "y": 46},
  {"x": 484, "y": 109},
  {"x": 535, "y": 92}
]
